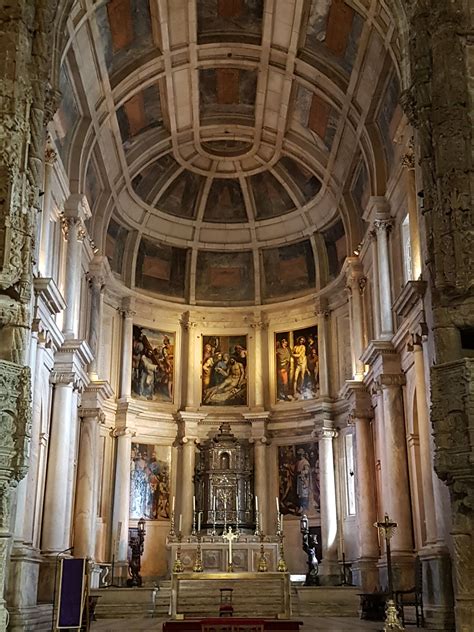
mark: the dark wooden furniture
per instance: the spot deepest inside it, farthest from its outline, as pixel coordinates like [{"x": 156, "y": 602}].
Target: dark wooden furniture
[
  {"x": 372, "y": 606},
  {"x": 412, "y": 597}
]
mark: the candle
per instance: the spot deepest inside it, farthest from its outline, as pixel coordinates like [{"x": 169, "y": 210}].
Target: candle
[
  {"x": 180, "y": 523},
  {"x": 194, "y": 503},
  {"x": 256, "y": 504},
  {"x": 236, "y": 503},
  {"x": 277, "y": 504},
  {"x": 172, "y": 503},
  {"x": 214, "y": 503},
  {"x": 199, "y": 521},
  {"x": 281, "y": 523}
]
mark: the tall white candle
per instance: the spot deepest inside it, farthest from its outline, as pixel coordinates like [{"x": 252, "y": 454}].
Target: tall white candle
[
  {"x": 194, "y": 503},
  {"x": 256, "y": 504},
  {"x": 236, "y": 503},
  {"x": 214, "y": 503},
  {"x": 180, "y": 523},
  {"x": 277, "y": 504},
  {"x": 199, "y": 521},
  {"x": 172, "y": 503},
  {"x": 281, "y": 522}
]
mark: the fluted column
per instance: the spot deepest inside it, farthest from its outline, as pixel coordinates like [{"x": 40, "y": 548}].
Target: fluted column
[
  {"x": 128, "y": 313},
  {"x": 395, "y": 471},
  {"x": 355, "y": 285},
  {"x": 382, "y": 225},
  {"x": 121, "y": 511},
  {"x": 55, "y": 532},
  {"x": 323, "y": 314},
  {"x": 50, "y": 157},
  {"x": 86, "y": 485},
  {"x": 424, "y": 434},
  {"x": 192, "y": 398},
  {"x": 329, "y": 566},
  {"x": 408, "y": 162},
  {"x": 259, "y": 328},
  {"x": 260, "y": 441}
]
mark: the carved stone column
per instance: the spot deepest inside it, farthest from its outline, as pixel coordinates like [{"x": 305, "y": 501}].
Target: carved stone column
[
  {"x": 259, "y": 327},
  {"x": 365, "y": 568},
  {"x": 329, "y": 572},
  {"x": 121, "y": 511},
  {"x": 76, "y": 210},
  {"x": 191, "y": 397},
  {"x": 15, "y": 431},
  {"x": 323, "y": 314},
  {"x": 50, "y": 157},
  {"x": 355, "y": 285},
  {"x": 128, "y": 313},
  {"x": 408, "y": 162}
]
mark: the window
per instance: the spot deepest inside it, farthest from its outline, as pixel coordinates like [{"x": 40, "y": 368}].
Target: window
[
  {"x": 350, "y": 475},
  {"x": 406, "y": 246}
]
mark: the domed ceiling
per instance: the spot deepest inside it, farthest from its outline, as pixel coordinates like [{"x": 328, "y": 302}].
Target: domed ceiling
[{"x": 228, "y": 147}]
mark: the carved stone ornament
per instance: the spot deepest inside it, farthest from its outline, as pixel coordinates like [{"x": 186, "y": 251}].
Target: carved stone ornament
[{"x": 387, "y": 380}]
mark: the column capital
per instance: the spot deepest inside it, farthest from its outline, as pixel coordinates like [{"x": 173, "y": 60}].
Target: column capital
[
  {"x": 99, "y": 271},
  {"x": 327, "y": 433},
  {"x": 127, "y": 308},
  {"x": 387, "y": 380},
  {"x": 124, "y": 431},
  {"x": 50, "y": 155},
  {"x": 96, "y": 414},
  {"x": 70, "y": 364},
  {"x": 377, "y": 207},
  {"x": 321, "y": 308}
]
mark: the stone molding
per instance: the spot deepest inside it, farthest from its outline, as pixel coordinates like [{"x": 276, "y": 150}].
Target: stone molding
[
  {"x": 70, "y": 364},
  {"x": 387, "y": 380},
  {"x": 410, "y": 297}
]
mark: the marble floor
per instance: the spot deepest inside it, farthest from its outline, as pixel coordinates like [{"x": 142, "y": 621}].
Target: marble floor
[{"x": 310, "y": 624}]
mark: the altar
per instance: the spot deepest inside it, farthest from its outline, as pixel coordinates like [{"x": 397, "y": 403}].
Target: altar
[
  {"x": 246, "y": 552},
  {"x": 253, "y": 594}
]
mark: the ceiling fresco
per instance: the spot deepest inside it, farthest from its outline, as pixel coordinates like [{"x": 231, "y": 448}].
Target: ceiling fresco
[{"x": 229, "y": 134}]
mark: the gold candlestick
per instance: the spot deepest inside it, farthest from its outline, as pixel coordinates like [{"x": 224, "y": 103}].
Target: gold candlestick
[
  {"x": 198, "y": 567},
  {"x": 262, "y": 562},
  {"x": 172, "y": 533},
  {"x": 282, "y": 567},
  {"x": 178, "y": 564}
]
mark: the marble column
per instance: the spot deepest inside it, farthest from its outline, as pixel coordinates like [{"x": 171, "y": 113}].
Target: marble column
[
  {"x": 44, "y": 265},
  {"x": 188, "y": 460},
  {"x": 86, "y": 485},
  {"x": 55, "y": 532},
  {"x": 128, "y": 313},
  {"x": 356, "y": 283},
  {"x": 395, "y": 475},
  {"x": 96, "y": 284},
  {"x": 191, "y": 398},
  {"x": 424, "y": 434},
  {"x": 382, "y": 226},
  {"x": 323, "y": 314},
  {"x": 258, "y": 328},
  {"x": 121, "y": 510},
  {"x": 261, "y": 477},
  {"x": 75, "y": 236},
  {"x": 329, "y": 566}
]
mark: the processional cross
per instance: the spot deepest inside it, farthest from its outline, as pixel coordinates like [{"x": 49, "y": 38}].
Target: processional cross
[{"x": 230, "y": 536}]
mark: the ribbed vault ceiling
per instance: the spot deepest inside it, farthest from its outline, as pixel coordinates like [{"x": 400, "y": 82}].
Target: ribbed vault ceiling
[{"x": 223, "y": 134}]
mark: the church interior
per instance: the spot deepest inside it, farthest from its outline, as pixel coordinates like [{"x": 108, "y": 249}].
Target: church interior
[{"x": 236, "y": 308}]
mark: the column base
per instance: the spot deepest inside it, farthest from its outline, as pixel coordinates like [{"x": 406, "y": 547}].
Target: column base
[
  {"x": 38, "y": 618},
  {"x": 365, "y": 574},
  {"x": 438, "y": 598},
  {"x": 403, "y": 571},
  {"x": 23, "y": 577},
  {"x": 329, "y": 573},
  {"x": 120, "y": 574}
]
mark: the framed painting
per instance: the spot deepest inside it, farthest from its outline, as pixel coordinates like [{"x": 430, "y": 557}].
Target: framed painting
[
  {"x": 297, "y": 364},
  {"x": 298, "y": 469},
  {"x": 224, "y": 370},
  {"x": 152, "y": 364},
  {"x": 150, "y": 481}
]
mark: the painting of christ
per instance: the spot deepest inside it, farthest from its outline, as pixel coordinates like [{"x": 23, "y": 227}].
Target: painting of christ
[
  {"x": 224, "y": 371},
  {"x": 298, "y": 467},
  {"x": 149, "y": 481},
  {"x": 152, "y": 364},
  {"x": 297, "y": 364}
]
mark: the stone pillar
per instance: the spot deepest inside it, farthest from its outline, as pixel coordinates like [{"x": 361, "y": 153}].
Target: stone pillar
[
  {"x": 86, "y": 485},
  {"x": 192, "y": 399},
  {"x": 395, "y": 475},
  {"x": 259, "y": 328},
  {"x": 44, "y": 265},
  {"x": 121, "y": 510},
  {"x": 382, "y": 226},
  {"x": 365, "y": 568},
  {"x": 189, "y": 435},
  {"x": 408, "y": 162},
  {"x": 260, "y": 441},
  {"x": 97, "y": 276},
  {"x": 424, "y": 433},
  {"x": 329, "y": 573},
  {"x": 128, "y": 313},
  {"x": 323, "y": 315},
  {"x": 75, "y": 211},
  {"x": 355, "y": 285}
]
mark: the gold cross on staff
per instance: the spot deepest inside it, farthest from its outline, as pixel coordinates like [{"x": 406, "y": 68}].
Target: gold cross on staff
[{"x": 230, "y": 536}]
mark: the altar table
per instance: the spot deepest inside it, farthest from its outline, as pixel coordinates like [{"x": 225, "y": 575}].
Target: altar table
[{"x": 232, "y": 624}]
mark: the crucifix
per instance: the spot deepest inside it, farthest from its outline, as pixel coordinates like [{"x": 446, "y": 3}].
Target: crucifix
[{"x": 230, "y": 536}]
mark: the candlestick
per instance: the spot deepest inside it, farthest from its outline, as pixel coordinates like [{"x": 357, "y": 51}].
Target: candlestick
[
  {"x": 199, "y": 521},
  {"x": 198, "y": 567},
  {"x": 178, "y": 564},
  {"x": 193, "y": 532},
  {"x": 172, "y": 533}
]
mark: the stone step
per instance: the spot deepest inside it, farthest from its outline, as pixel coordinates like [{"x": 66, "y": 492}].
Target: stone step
[
  {"x": 34, "y": 619},
  {"x": 326, "y": 601},
  {"x": 121, "y": 603}
]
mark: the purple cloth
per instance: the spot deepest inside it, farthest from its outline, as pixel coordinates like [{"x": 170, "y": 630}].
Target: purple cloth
[{"x": 71, "y": 593}]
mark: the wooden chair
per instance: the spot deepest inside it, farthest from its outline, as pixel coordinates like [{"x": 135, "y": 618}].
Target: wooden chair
[{"x": 412, "y": 597}]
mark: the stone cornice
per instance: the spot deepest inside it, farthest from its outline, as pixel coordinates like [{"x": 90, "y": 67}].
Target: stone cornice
[
  {"x": 46, "y": 289},
  {"x": 410, "y": 297},
  {"x": 70, "y": 364},
  {"x": 375, "y": 349}
]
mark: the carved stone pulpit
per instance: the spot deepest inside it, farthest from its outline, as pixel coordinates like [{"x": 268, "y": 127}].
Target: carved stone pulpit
[{"x": 224, "y": 481}]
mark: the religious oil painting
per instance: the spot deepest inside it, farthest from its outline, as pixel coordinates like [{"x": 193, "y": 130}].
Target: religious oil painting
[
  {"x": 298, "y": 467},
  {"x": 224, "y": 370},
  {"x": 152, "y": 364},
  {"x": 297, "y": 364},
  {"x": 150, "y": 481}
]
